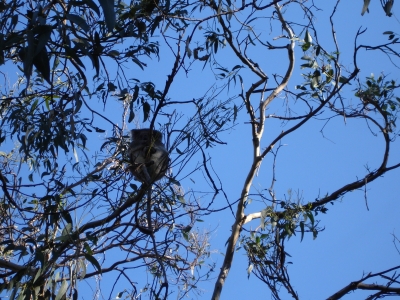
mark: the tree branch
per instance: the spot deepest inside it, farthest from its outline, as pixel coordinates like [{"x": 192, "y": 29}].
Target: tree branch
[{"x": 386, "y": 289}]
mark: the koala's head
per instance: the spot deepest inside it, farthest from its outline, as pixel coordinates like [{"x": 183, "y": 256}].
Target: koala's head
[{"x": 146, "y": 136}]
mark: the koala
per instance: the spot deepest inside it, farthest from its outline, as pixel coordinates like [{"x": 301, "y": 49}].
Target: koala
[{"x": 147, "y": 151}]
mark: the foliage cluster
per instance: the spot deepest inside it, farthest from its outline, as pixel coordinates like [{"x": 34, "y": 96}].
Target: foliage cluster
[{"x": 70, "y": 211}]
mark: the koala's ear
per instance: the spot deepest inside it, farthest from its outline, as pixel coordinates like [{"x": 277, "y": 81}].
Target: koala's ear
[{"x": 157, "y": 136}]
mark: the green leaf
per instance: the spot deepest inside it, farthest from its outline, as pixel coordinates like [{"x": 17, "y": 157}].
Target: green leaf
[
  {"x": 235, "y": 112},
  {"x": 307, "y": 65},
  {"x": 146, "y": 111},
  {"x": 78, "y": 104},
  {"x": 131, "y": 116},
  {"x": 21, "y": 295},
  {"x": 26, "y": 55},
  {"x": 28, "y": 294},
  {"x": 62, "y": 290},
  {"x": 236, "y": 67},
  {"x": 343, "y": 79},
  {"x": 75, "y": 295},
  {"x": 45, "y": 32},
  {"x": 13, "y": 293},
  {"x": 78, "y": 20},
  {"x": 111, "y": 87},
  {"x": 93, "y": 6},
  {"x": 34, "y": 105},
  {"x": 88, "y": 249},
  {"x": 66, "y": 216},
  {"x": 302, "y": 230},
  {"x": 308, "y": 38},
  {"x": 318, "y": 50},
  {"x": 311, "y": 217},
  {"x": 47, "y": 103},
  {"x": 135, "y": 93},
  {"x": 38, "y": 273},
  {"x": 181, "y": 199},
  {"x": 306, "y": 57},
  {"x": 83, "y": 139},
  {"x": 93, "y": 261},
  {"x": 109, "y": 13},
  {"x": 96, "y": 63},
  {"x": 113, "y": 53},
  {"x": 75, "y": 154},
  {"x": 187, "y": 229},
  {"x": 72, "y": 54},
  {"x": 329, "y": 75},
  {"x": 174, "y": 181},
  {"x": 65, "y": 234},
  {"x": 305, "y": 46},
  {"x": 82, "y": 268},
  {"x": 141, "y": 26},
  {"x": 249, "y": 269}
]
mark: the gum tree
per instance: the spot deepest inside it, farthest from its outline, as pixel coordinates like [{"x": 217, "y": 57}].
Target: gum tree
[{"x": 70, "y": 210}]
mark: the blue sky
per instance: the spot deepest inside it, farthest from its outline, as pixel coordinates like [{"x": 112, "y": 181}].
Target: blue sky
[
  {"x": 317, "y": 159},
  {"x": 355, "y": 241}
]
